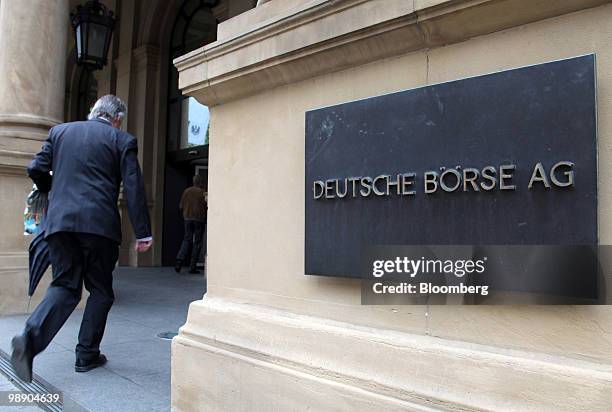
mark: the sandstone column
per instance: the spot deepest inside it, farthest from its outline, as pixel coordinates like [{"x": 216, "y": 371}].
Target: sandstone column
[
  {"x": 33, "y": 48},
  {"x": 140, "y": 94}
]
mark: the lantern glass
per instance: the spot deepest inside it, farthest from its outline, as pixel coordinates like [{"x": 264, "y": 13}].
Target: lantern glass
[
  {"x": 79, "y": 42},
  {"x": 96, "y": 41}
]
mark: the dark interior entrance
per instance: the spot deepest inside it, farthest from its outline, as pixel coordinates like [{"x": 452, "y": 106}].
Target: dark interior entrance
[{"x": 181, "y": 166}]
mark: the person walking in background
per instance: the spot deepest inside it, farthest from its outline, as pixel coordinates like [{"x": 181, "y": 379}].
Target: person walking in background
[
  {"x": 193, "y": 205},
  {"x": 89, "y": 160}
]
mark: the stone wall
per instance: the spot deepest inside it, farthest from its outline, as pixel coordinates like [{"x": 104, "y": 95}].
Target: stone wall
[{"x": 268, "y": 337}]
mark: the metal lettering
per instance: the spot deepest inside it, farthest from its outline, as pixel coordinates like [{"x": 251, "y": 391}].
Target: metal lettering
[
  {"x": 396, "y": 184},
  {"x": 538, "y": 175},
  {"x": 569, "y": 174},
  {"x": 443, "y": 184},
  {"x": 338, "y": 189},
  {"x": 321, "y": 185},
  {"x": 429, "y": 179},
  {"x": 354, "y": 180},
  {"x": 407, "y": 182},
  {"x": 366, "y": 183},
  {"x": 489, "y": 173},
  {"x": 470, "y": 175},
  {"x": 503, "y": 175},
  {"x": 328, "y": 189},
  {"x": 375, "y": 188}
]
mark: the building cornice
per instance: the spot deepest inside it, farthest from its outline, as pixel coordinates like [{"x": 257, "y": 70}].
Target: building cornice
[
  {"x": 323, "y": 36},
  {"x": 291, "y": 20}
]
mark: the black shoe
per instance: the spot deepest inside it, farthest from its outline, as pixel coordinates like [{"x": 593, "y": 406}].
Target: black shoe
[
  {"x": 81, "y": 366},
  {"x": 194, "y": 272},
  {"x": 178, "y": 266},
  {"x": 21, "y": 358}
]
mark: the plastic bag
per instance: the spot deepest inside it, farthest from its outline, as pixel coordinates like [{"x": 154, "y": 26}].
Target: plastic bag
[{"x": 36, "y": 206}]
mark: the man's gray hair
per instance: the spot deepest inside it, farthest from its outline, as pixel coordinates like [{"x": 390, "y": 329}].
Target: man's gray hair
[{"x": 108, "y": 107}]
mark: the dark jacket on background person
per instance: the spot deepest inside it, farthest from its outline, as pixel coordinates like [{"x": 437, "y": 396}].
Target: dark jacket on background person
[
  {"x": 193, "y": 204},
  {"x": 86, "y": 187}
]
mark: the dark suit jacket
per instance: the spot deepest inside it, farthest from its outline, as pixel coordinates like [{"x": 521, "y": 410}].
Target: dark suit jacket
[{"x": 89, "y": 161}]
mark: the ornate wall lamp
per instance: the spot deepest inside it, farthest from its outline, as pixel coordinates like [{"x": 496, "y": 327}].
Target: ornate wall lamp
[{"x": 93, "y": 25}]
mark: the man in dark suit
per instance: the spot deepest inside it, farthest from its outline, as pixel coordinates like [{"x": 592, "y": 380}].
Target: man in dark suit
[{"x": 88, "y": 161}]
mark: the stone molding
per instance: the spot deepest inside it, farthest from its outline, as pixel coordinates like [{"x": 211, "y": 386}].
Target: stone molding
[
  {"x": 13, "y": 261},
  {"x": 393, "y": 367},
  {"x": 28, "y": 120},
  {"x": 26, "y": 126},
  {"x": 322, "y": 36},
  {"x": 14, "y": 163}
]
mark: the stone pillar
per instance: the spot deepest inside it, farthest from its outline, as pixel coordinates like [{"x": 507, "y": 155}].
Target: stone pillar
[
  {"x": 273, "y": 338},
  {"x": 143, "y": 123},
  {"x": 32, "y": 81}
]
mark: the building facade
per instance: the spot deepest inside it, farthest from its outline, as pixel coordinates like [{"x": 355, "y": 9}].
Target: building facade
[{"x": 266, "y": 336}]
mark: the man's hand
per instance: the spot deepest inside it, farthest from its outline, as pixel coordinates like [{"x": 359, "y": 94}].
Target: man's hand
[{"x": 143, "y": 245}]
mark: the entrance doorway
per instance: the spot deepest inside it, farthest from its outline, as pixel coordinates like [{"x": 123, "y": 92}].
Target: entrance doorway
[
  {"x": 179, "y": 176},
  {"x": 188, "y": 124}
]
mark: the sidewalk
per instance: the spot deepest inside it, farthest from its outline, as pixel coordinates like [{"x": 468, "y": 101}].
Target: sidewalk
[{"x": 137, "y": 376}]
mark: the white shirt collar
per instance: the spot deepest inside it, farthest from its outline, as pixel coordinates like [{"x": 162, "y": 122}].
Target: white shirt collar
[{"x": 106, "y": 120}]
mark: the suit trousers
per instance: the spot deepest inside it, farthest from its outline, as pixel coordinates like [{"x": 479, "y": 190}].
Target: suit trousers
[
  {"x": 76, "y": 258},
  {"x": 192, "y": 242}
]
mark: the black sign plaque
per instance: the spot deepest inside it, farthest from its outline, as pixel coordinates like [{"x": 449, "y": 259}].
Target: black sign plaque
[{"x": 507, "y": 158}]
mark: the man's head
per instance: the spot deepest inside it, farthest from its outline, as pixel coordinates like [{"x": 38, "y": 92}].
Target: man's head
[
  {"x": 198, "y": 181},
  {"x": 111, "y": 108}
]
